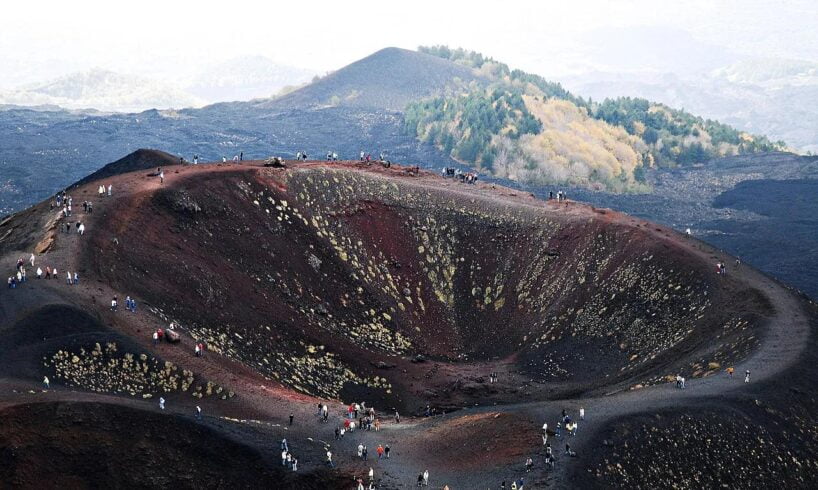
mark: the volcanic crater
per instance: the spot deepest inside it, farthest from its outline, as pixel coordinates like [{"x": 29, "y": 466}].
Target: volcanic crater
[{"x": 341, "y": 282}]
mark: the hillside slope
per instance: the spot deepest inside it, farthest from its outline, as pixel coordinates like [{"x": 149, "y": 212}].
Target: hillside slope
[{"x": 387, "y": 79}]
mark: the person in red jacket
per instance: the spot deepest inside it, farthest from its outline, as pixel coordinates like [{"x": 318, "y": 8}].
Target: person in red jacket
[{"x": 380, "y": 451}]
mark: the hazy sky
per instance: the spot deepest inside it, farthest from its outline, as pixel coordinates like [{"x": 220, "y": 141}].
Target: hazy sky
[{"x": 39, "y": 40}]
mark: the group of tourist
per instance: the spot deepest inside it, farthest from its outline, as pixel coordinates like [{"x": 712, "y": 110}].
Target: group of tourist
[
  {"x": 20, "y": 275},
  {"x": 560, "y": 196},
  {"x": 457, "y": 174},
  {"x": 287, "y": 458}
]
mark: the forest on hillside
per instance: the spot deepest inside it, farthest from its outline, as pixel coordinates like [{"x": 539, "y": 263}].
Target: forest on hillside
[{"x": 521, "y": 126}]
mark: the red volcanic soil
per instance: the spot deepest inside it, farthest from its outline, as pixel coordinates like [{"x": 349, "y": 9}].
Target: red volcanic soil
[{"x": 339, "y": 283}]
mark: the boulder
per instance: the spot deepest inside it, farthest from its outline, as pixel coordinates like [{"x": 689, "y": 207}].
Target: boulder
[{"x": 172, "y": 336}]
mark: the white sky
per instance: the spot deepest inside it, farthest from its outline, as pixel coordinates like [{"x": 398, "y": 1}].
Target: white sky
[{"x": 39, "y": 40}]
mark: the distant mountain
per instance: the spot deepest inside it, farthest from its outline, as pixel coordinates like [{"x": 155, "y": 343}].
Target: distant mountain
[
  {"x": 244, "y": 78},
  {"x": 771, "y": 97},
  {"x": 388, "y": 79},
  {"x": 104, "y": 91}
]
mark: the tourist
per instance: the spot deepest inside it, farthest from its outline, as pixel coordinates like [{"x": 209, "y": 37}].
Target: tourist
[
  {"x": 747, "y": 376},
  {"x": 198, "y": 412},
  {"x": 329, "y": 459},
  {"x": 46, "y": 383},
  {"x": 114, "y": 304},
  {"x": 39, "y": 273},
  {"x": 283, "y": 457},
  {"x": 161, "y": 403},
  {"x": 291, "y": 419},
  {"x": 581, "y": 413},
  {"x": 730, "y": 371},
  {"x": 386, "y": 450}
]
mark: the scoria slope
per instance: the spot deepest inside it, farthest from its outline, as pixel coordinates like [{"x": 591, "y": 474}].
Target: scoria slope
[{"x": 346, "y": 282}]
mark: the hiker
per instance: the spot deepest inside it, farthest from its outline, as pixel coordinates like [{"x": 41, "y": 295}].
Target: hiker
[
  {"x": 76, "y": 278},
  {"x": 241, "y": 156},
  {"x": 81, "y": 229},
  {"x": 581, "y": 413},
  {"x": 161, "y": 403},
  {"x": 747, "y": 376},
  {"x": 39, "y": 273},
  {"x": 283, "y": 457},
  {"x": 46, "y": 383},
  {"x": 113, "y": 304},
  {"x": 371, "y": 474},
  {"x": 31, "y": 259},
  {"x": 361, "y": 450},
  {"x": 568, "y": 450},
  {"x": 386, "y": 451},
  {"x": 337, "y": 433},
  {"x": 161, "y": 177},
  {"x": 730, "y": 372},
  {"x": 682, "y": 383},
  {"x": 329, "y": 459},
  {"x": 426, "y": 478},
  {"x": 529, "y": 465},
  {"x": 155, "y": 338},
  {"x": 54, "y": 273},
  {"x": 198, "y": 412},
  {"x": 68, "y": 277},
  {"x": 420, "y": 479},
  {"x": 195, "y": 159},
  {"x": 295, "y": 464},
  {"x": 291, "y": 419},
  {"x": 196, "y": 350},
  {"x": 110, "y": 189},
  {"x": 365, "y": 453},
  {"x": 397, "y": 417},
  {"x": 47, "y": 272}
]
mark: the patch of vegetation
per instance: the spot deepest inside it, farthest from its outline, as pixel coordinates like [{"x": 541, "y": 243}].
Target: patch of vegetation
[{"x": 520, "y": 126}]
